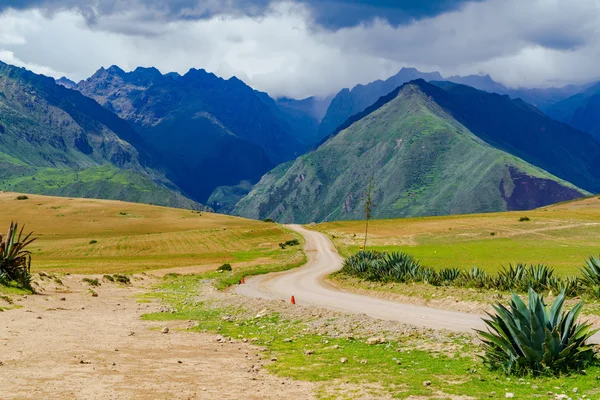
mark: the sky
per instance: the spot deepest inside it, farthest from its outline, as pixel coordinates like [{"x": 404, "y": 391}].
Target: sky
[{"x": 299, "y": 48}]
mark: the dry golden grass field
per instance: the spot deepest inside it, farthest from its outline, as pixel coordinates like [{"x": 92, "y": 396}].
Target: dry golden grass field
[
  {"x": 132, "y": 237},
  {"x": 562, "y": 236}
]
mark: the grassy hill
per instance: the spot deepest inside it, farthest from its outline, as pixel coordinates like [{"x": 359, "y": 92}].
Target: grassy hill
[
  {"x": 56, "y": 141},
  {"x": 562, "y": 236},
  {"x": 134, "y": 237},
  {"x": 423, "y": 160}
]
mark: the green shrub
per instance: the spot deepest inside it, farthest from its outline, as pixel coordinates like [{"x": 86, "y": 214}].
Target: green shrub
[
  {"x": 22, "y": 197},
  {"x": 523, "y": 219},
  {"x": 224, "y": 267},
  {"x": 536, "y": 339},
  {"x": 93, "y": 241},
  {"x": 91, "y": 281},
  {"x": 293, "y": 242},
  {"x": 268, "y": 220},
  {"x": 15, "y": 261},
  {"x": 115, "y": 278},
  {"x": 122, "y": 279}
]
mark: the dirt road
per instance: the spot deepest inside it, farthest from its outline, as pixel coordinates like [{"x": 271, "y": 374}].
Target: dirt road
[
  {"x": 66, "y": 344},
  {"x": 309, "y": 287}
]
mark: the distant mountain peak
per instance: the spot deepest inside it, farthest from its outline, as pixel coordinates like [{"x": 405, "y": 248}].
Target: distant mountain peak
[
  {"x": 66, "y": 82},
  {"x": 113, "y": 69}
]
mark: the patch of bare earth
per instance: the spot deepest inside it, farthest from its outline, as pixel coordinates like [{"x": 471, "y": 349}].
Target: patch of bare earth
[{"x": 86, "y": 347}]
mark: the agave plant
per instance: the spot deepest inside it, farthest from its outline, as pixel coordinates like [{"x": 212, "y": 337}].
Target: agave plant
[
  {"x": 536, "y": 339},
  {"x": 15, "y": 261},
  {"x": 591, "y": 276}
]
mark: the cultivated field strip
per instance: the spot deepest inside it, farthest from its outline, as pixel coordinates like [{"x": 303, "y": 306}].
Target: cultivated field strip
[{"x": 98, "y": 236}]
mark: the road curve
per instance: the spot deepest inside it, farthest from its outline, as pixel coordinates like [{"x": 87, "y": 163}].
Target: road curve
[{"x": 307, "y": 284}]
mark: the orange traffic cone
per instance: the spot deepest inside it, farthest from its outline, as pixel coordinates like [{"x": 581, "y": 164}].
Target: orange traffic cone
[
  {"x": 242, "y": 281},
  {"x": 293, "y": 300}
]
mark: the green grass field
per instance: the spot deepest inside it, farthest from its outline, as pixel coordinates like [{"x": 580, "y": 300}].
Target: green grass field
[
  {"x": 562, "y": 236},
  {"x": 132, "y": 237},
  {"x": 396, "y": 369}
]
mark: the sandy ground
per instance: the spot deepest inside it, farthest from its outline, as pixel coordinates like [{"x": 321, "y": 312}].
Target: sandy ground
[{"x": 86, "y": 347}]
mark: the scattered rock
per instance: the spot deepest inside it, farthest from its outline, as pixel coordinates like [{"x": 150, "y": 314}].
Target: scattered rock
[
  {"x": 343, "y": 360},
  {"x": 561, "y": 397},
  {"x": 131, "y": 333},
  {"x": 179, "y": 362},
  {"x": 309, "y": 352},
  {"x": 575, "y": 390},
  {"x": 262, "y": 313},
  {"x": 335, "y": 347},
  {"x": 375, "y": 340},
  {"x": 39, "y": 317},
  {"x": 363, "y": 361},
  {"x": 165, "y": 330},
  {"x": 273, "y": 359},
  {"x": 509, "y": 395},
  {"x": 227, "y": 318},
  {"x": 63, "y": 299},
  {"x": 427, "y": 383},
  {"x": 84, "y": 362}
]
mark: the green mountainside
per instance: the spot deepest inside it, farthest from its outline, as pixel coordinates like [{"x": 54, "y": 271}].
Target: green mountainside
[
  {"x": 424, "y": 162},
  {"x": 56, "y": 141}
]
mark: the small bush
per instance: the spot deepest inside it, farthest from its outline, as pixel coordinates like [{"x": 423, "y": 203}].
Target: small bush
[
  {"x": 536, "y": 340},
  {"x": 122, "y": 279},
  {"x": 93, "y": 241},
  {"x": 117, "y": 278},
  {"x": 224, "y": 267},
  {"x": 492, "y": 233},
  {"x": 91, "y": 281},
  {"x": 293, "y": 242},
  {"x": 523, "y": 219},
  {"x": 22, "y": 198},
  {"x": 268, "y": 220}
]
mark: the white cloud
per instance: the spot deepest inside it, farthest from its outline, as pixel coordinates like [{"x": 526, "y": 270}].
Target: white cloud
[{"x": 520, "y": 43}]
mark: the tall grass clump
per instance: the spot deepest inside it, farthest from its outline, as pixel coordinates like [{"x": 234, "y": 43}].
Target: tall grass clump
[
  {"x": 15, "y": 260},
  {"x": 535, "y": 339}
]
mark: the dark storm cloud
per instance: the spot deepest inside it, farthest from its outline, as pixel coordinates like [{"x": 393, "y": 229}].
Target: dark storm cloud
[{"x": 331, "y": 14}]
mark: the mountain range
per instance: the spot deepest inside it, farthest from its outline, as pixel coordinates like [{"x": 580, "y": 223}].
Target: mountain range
[
  {"x": 434, "y": 145},
  {"x": 581, "y": 110},
  {"x": 349, "y": 102},
  {"x": 56, "y": 141},
  {"x": 432, "y": 150}
]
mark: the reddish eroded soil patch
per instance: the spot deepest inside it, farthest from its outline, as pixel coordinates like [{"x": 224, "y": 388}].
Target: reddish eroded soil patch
[{"x": 98, "y": 348}]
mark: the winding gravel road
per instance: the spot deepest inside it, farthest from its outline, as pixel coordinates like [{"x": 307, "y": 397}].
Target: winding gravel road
[{"x": 307, "y": 284}]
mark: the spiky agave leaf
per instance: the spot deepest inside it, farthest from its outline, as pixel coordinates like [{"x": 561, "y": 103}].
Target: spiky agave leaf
[
  {"x": 15, "y": 260},
  {"x": 535, "y": 339}
]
